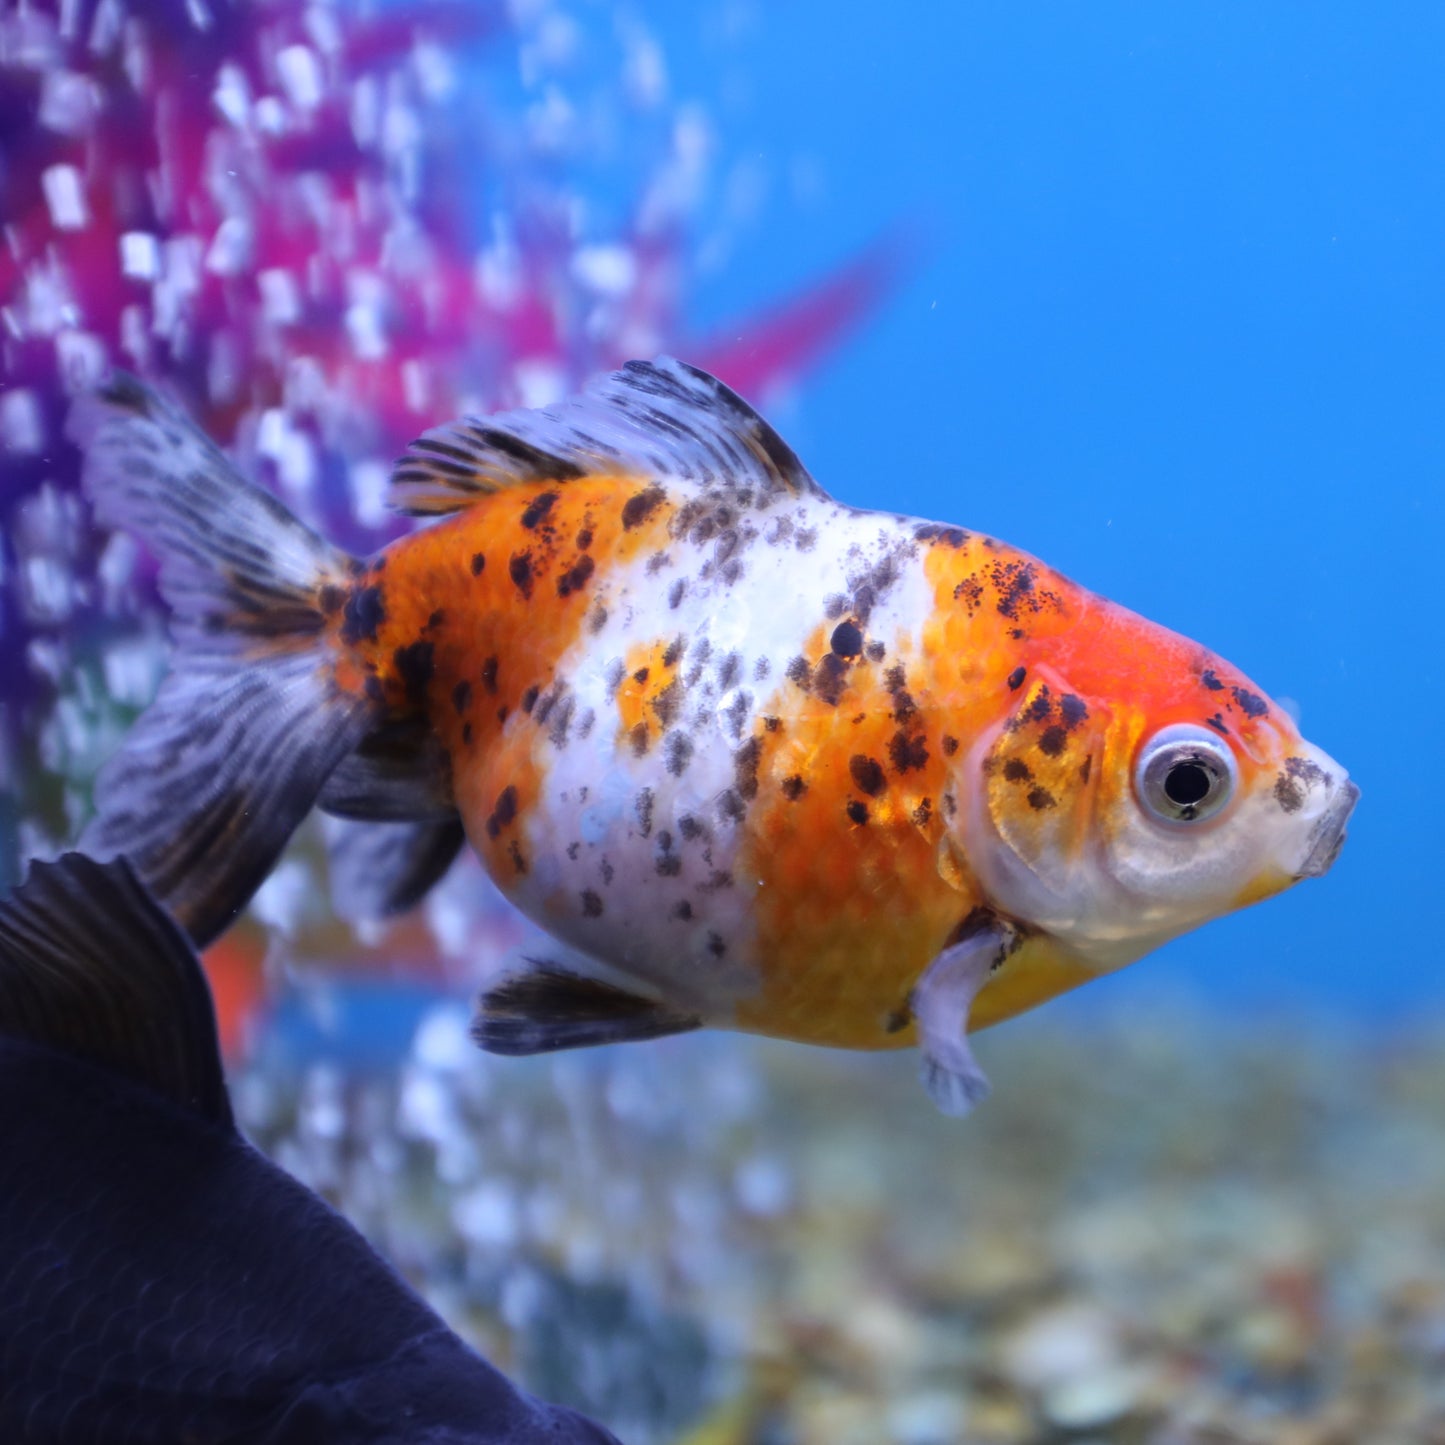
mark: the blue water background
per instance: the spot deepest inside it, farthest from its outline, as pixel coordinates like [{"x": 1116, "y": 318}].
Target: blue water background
[{"x": 1179, "y": 329}]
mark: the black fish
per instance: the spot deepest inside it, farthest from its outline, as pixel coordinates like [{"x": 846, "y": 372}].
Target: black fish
[{"x": 160, "y": 1280}]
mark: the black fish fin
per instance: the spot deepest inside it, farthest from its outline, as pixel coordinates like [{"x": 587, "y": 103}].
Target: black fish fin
[
  {"x": 550, "y": 1008},
  {"x": 660, "y": 420},
  {"x": 380, "y": 869},
  {"x": 214, "y": 778},
  {"x": 399, "y": 772},
  {"x": 92, "y": 965}
]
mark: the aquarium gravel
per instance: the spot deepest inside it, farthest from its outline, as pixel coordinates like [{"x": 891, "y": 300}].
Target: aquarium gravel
[{"x": 1160, "y": 1231}]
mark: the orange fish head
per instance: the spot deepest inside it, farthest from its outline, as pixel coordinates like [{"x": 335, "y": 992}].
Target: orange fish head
[{"x": 1139, "y": 786}]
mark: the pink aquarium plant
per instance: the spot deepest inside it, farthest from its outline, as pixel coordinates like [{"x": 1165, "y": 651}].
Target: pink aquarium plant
[{"x": 276, "y": 209}]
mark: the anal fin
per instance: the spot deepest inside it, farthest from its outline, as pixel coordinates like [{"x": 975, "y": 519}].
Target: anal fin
[
  {"x": 381, "y": 869},
  {"x": 549, "y": 1008}
]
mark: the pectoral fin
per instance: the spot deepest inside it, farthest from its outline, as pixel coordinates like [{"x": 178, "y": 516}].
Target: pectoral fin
[{"x": 940, "y": 1003}]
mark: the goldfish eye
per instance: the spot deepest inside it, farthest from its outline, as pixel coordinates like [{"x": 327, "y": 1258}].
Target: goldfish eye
[{"x": 1185, "y": 775}]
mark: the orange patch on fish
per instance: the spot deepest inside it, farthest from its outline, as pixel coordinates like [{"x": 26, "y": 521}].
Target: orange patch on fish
[{"x": 844, "y": 835}]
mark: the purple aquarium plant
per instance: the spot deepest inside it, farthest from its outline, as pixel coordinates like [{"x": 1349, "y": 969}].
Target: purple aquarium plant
[{"x": 327, "y": 227}]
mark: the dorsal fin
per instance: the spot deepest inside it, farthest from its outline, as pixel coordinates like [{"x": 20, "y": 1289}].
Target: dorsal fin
[
  {"x": 661, "y": 419},
  {"x": 92, "y": 965}
]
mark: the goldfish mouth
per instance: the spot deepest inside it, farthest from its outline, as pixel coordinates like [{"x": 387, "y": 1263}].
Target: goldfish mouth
[{"x": 1329, "y": 834}]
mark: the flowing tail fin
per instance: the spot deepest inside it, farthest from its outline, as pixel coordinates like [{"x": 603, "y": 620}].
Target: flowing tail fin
[{"x": 250, "y": 722}]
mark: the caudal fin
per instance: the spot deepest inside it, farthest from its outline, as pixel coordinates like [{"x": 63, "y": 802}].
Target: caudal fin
[{"x": 215, "y": 777}]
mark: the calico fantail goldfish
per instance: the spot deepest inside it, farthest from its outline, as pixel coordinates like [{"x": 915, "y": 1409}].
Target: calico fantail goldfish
[{"x": 753, "y": 759}]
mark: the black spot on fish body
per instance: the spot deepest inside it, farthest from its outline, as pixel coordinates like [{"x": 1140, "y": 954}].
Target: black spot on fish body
[
  {"x": 520, "y": 570},
  {"x": 875, "y": 652},
  {"x": 1298, "y": 775},
  {"x": 514, "y": 852},
  {"x": 857, "y": 812},
  {"x": 716, "y": 945},
  {"x": 830, "y": 678},
  {"x": 1211, "y": 680},
  {"x": 479, "y": 563},
  {"x": 794, "y": 787},
  {"x": 1017, "y": 771},
  {"x": 1041, "y": 798},
  {"x": 923, "y": 813},
  {"x": 643, "y": 808},
  {"x": 1073, "y": 711},
  {"x": 668, "y": 703},
  {"x": 730, "y": 806},
  {"x": 800, "y": 673},
  {"x": 676, "y": 592},
  {"x": 730, "y": 672},
  {"x": 773, "y": 724},
  {"x": 641, "y": 739},
  {"x": 949, "y": 745},
  {"x": 1016, "y": 678},
  {"x": 573, "y": 849},
  {"x": 834, "y": 605},
  {"x": 954, "y": 537},
  {"x": 1039, "y": 707},
  {"x": 414, "y": 666},
  {"x": 641, "y": 675},
  {"x": 436, "y": 620},
  {"x": 970, "y": 592},
  {"x": 363, "y": 614},
  {"x": 503, "y": 812},
  {"x": 691, "y": 828},
  {"x": 557, "y": 734},
  {"x": 1217, "y": 723},
  {"x": 489, "y": 675},
  {"x": 666, "y": 863},
  {"x": 529, "y": 698},
  {"x": 907, "y": 753},
  {"x": 1251, "y": 704},
  {"x": 584, "y": 539},
  {"x": 537, "y": 509},
  {"x": 607, "y": 871},
  {"x": 466, "y": 733},
  {"x": 678, "y": 752},
  {"x": 597, "y": 618},
  {"x": 745, "y": 768},
  {"x": 591, "y": 904},
  {"x": 867, "y": 774},
  {"x": 675, "y": 649},
  {"x": 682, "y": 910},
  {"x": 576, "y": 576},
  {"x": 1053, "y": 741},
  {"x": 462, "y": 696},
  {"x": 639, "y": 507},
  {"x": 898, "y": 1020},
  {"x": 1014, "y": 582},
  {"x": 847, "y": 639},
  {"x": 1085, "y": 768},
  {"x": 737, "y": 713}
]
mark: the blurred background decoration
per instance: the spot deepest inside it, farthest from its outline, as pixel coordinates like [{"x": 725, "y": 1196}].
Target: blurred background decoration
[{"x": 1179, "y": 328}]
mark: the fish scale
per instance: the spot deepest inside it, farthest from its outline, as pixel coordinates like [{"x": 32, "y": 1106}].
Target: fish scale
[{"x": 752, "y": 758}]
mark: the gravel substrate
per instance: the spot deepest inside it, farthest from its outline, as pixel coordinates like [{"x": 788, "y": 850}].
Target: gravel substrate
[{"x": 1160, "y": 1230}]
